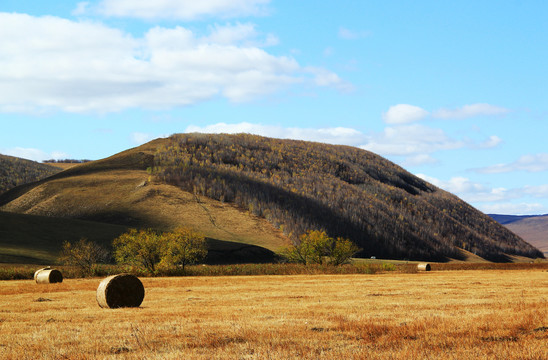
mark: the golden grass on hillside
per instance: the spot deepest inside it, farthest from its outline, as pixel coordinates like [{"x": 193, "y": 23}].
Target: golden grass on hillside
[
  {"x": 450, "y": 315},
  {"x": 127, "y": 196}
]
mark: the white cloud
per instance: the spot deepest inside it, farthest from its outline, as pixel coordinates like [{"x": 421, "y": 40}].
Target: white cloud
[
  {"x": 492, "y": 142},
  {"x": 417, "y": 142},
  {"x": 182, "y": 9},
  {"x": 403, "y": 114},
  {"x": 324, "y": 78},
  {"x": 411, "y": 140},
  {"x": 472, "y": 110},
  {"x": 336, "y": 135},
  {"x": 34, "y": 154},
  {"x": 49, "y": 63},
  {"x": 245, "y": 34},
  {"x": 493, "y": 200},
  {"x": 538, "y": 191},
  {"x": 471, "y": 191},
  {"x": 529, "y": 163},
  {"x": 81, "y": 8}
]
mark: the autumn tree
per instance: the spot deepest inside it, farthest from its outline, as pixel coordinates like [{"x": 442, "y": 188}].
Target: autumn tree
[
  {"x": 316, "y": 247},
  {"x": 84, "y": 254},
  {"x": 141, "y": 248},
  {"x": 184, "y": 246},
  {"x": 149, "y": 249}
]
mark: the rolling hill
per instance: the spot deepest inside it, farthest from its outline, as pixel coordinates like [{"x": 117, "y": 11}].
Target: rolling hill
[
  {"x": 257, "y": 194},
  {"x": 16, "y": 171},
  {"x": 532, "y": 228}
]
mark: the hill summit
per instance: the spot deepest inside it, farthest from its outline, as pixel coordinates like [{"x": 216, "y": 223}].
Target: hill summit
[
  {"x": 232, "y": 186},
  {"x": 346, "y": 191}
]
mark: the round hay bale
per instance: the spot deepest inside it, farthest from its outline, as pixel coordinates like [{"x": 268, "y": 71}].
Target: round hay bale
[
  {"x": 37, "y": 271},
  {"x": 424, "y": 267},
  {"x": 48, "y": 276},
  {"x": 122, "y": 290}
]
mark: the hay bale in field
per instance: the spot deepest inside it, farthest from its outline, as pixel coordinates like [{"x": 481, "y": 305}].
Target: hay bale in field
[
  {"x": 48, "y": 276},
  {"x": 424, "y": 267},
  {"x": 122, "y": 290},
  {"x": 37, "y": 271}
]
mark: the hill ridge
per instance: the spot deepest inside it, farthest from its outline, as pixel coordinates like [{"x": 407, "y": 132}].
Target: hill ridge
[{"x": 245, "y": 180}]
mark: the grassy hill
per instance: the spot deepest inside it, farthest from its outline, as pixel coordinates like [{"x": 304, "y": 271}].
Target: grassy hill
[
  {"x": 250, "y": 192},
  {"x": 532, "y": 228},
  {"x": 16, "y": 171},
  {"x": 33, "y": 239}
]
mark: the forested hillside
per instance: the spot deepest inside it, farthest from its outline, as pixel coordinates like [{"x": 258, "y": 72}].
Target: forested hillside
[
  {"x": 343, "y": 190},
  {"x": 16, "y": 171}
]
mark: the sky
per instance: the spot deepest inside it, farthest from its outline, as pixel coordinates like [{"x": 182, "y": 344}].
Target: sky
[{"x": 453, "y": 91}]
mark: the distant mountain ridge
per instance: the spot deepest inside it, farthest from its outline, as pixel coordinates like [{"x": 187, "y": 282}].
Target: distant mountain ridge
[
  {"x": 532, "y": 228},
  {"x": 508, "y": 219},
  {"x": 263, "y": 192}
]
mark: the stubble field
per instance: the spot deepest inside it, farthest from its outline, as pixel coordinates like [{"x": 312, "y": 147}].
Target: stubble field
[{"x": 487, "y": 314}]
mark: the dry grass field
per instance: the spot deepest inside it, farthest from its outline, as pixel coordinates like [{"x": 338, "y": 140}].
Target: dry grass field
[{"x": 475, "y": 314}]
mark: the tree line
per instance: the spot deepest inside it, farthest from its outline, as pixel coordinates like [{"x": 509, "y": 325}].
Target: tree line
[
  {"x": 65, "y": 161},
  {"x": 151, "y": 250}
]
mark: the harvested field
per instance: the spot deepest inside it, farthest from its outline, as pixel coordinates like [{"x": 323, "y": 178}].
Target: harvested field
[{"x": 497, "y": 314}]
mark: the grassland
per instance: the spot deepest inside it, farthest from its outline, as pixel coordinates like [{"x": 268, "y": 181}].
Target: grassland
[{"x": 451, "y": 315}]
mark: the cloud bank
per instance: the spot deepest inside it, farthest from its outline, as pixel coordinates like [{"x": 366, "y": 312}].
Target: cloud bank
[{"x": 49, "y": 63}]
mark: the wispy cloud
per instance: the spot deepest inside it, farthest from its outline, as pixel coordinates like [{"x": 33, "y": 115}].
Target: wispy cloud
[
  {"x": 491, "y": 142},
  {"x": 326, "y": 78},
  {"x": 468, "y": 111},
  {"x": 183, "y": 9},
  {"x": 81, "y": 8},
  {"x": 494, "y": 200},
  {"x": 406, "y": 113},
  {"x": 415, "y": 142},
  {"x": 50, "y": 63},
  {"x": 471, "y": 191},
  {"x": 538, "y": 191},
  {"x": 528, "y": 163}
]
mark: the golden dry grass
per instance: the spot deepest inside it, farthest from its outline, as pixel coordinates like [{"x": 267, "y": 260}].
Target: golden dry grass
[
  {"x": 451, "y": 315},
  {"x": 140, "y": 202}
]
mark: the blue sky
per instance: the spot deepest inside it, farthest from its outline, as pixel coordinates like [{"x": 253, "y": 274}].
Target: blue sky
[{"x": 454, "y": 92}]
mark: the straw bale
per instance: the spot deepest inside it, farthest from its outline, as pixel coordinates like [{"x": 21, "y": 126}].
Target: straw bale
[
  {"x": 49, "y": 276},
  {"x": 423, "y": 267},
  {"x": 122, "y": 290},
  {"x": 37, "y": 271}
]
